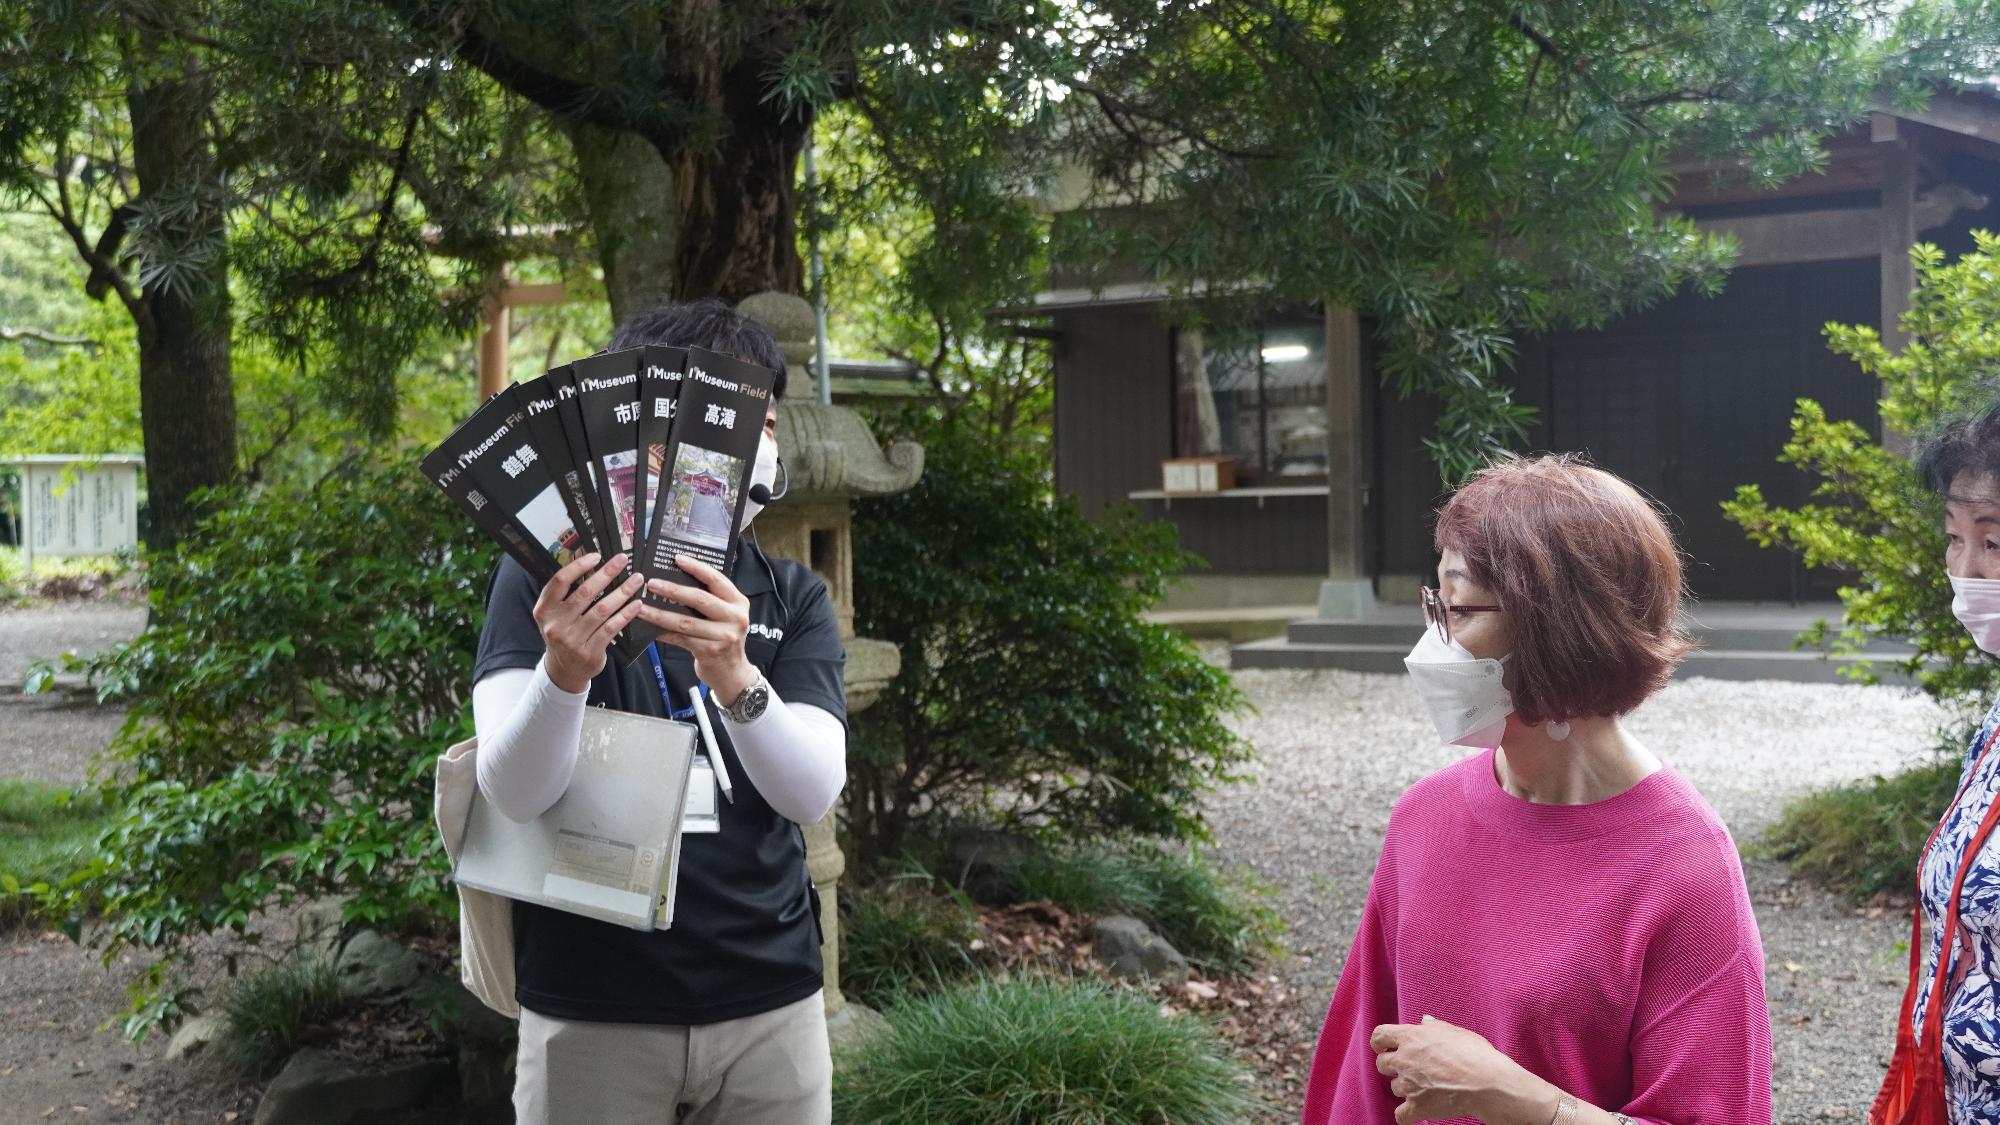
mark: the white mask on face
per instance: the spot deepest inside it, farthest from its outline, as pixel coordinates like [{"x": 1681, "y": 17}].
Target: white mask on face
[
  {"x": 1976, "y": 604},
  {"x": 1467, "y": 700},
  {"x": 764, "y": 472}
]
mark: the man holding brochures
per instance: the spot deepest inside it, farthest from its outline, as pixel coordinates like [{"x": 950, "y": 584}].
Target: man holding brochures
[{"x": 719, "y": 1019}]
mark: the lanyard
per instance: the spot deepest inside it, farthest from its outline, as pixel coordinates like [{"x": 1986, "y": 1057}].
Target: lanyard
[{"x": 666, "y": 693}]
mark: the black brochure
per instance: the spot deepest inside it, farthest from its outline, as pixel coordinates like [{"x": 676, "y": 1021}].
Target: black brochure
[
  {"x": 608, "y": 401},
  {"x": 711, "y": 451},
  {"x": 659, "y": 395},
  {"x": 489, "y": 433},
  {"x": 569, "y": 412},
  {"x": 538, "y": 398}
]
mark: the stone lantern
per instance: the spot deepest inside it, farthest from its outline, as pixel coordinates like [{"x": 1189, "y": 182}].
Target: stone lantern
[{"x": 830, "y": 458}]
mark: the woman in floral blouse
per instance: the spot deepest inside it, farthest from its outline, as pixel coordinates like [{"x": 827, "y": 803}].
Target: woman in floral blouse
[{"x": 1962, "y": 465}]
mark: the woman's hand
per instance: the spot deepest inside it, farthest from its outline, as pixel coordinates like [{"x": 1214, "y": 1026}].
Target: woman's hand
[
  {"x": 577, "y": 625},
  {"x": 715, "y": 638},
  {"x": 1443, "y": 1071}
]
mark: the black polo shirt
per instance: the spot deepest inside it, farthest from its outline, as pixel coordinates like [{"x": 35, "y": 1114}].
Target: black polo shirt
[{"x": 745, "y": 938}]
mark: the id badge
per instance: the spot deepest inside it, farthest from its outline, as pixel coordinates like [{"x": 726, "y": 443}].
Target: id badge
[{"x": 699, "y": 813}]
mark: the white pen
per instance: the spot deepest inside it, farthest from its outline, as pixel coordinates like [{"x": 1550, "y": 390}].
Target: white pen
[{"x": 708, "y": 737}]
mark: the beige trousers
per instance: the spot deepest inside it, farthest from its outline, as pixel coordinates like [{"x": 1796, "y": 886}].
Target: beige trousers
[{"x": 769, "y": 1069}]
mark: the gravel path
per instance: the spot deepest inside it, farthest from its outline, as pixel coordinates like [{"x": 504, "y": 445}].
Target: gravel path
[
  {"x": 1337, "y": 748},
  {"x": 51, "y": 737}
]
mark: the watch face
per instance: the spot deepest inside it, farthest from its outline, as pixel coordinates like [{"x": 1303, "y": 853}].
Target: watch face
[{"x": 752, "y": 704}]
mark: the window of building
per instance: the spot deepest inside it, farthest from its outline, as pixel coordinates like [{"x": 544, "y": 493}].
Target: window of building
[{"x": 1256, "y": 394}]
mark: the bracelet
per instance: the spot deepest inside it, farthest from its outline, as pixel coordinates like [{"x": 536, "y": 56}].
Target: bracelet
[{"x": 1565, "y": 1111}]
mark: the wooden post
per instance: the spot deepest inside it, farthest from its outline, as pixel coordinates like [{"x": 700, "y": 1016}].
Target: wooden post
[
  {"x": 492, "y": 362},
  {"x": 1348, "y": 591},
  {"x": 1898, "y": 234}
]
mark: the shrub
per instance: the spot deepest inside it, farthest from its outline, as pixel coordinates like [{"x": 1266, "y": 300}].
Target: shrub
[
  {"x": 1864, "y": 837},
  {"x": 58, "y": 577},
  {"x": 309, "y": 655},
  {"x": 1036, "y": 1052},
  {"x": 267, "y": 1013},
  {"x": 902, "y": 936},
  {"x": 1031, "y": 692},
  {"x": 45, "y": 833},
  {"x": 1175, "y": 890},
  {"x": 1868, "y": 515}
]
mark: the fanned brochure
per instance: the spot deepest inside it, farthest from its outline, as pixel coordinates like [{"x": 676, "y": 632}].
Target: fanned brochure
[
  {"x": 645, "y": 450},
  {"x": 609, "y": 848}
]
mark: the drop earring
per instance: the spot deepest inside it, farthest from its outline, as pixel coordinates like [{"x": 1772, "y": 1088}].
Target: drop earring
[{"x": 1559, "y": 729}]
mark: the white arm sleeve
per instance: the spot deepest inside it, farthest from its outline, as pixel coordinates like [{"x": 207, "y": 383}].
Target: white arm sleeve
[
  {"x": 796, "y": 756},
  {"x": 528, "y": 729}
]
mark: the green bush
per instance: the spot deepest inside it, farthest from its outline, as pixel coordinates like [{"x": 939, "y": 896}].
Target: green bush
[
  {"x": 1175, "y": 890},
  {"x": 267, "y": 1013},
  {"x": 310, "y": 654},
  {"x": 1037, "y": 1052},
  {"x": 1031, "y": 692},
  {"x": 1868, "y": 515},
  {"x": 45, "y": 833},
  {"x": 902, "y": 936},
  {"x": 1864, "y": 837}
]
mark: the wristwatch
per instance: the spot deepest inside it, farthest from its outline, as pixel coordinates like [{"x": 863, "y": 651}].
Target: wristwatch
[{"x": 748, "y": 706}]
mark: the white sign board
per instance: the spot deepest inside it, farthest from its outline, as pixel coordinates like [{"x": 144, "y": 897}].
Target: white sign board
[{"x": 76, "y": 505}]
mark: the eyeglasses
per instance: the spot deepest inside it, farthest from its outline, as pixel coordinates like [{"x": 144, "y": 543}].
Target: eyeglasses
[{"x": 1437, "y": 611}]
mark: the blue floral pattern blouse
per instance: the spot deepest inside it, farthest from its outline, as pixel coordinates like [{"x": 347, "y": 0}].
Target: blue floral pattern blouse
[{"x": 1971, "y": 1016}]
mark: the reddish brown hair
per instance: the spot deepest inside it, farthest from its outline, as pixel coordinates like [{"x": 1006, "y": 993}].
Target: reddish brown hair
[{"x": 1589, "y": 577}]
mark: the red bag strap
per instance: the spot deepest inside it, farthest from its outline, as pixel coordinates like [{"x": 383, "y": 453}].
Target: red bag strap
[{"x": 1934, "y": 1016}]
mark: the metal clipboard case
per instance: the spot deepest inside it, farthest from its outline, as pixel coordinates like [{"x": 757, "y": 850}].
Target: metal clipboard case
[{"x": 609, "y": 848}]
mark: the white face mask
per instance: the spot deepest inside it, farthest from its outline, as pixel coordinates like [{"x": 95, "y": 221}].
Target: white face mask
[
  {"x": 764, "y": 472},
  {"x": 1976, "y": 604},
  {"x": 1467, "y": 701}
]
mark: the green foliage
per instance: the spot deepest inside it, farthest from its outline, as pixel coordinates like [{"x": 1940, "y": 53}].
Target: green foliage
[
  {"x": 266, "y": 1013},
  {"x": 903, "y": 935},
  {"x": 1456, "y": 172},
  {"x": 1864, "y": 837},
  {"x": 1037, "y": 1052},
  {"x": 1174, "y": 889},
  {"x": 1868, "y": 515},
  {"x": 46, "y": 831},
  {"x": 1031, "y": 692},
  {"x": 903, "y": 283},
  {"x": 310, "y": 655}
]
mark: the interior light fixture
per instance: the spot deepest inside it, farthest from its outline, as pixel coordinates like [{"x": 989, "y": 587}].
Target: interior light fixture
[{"x": 1285, "y": 353}]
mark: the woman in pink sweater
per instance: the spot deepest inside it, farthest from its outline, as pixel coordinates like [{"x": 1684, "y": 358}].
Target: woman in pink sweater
[{"x": 1558, "y": 931}]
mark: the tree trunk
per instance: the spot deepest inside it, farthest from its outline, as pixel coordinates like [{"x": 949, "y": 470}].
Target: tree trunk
[
  {"x": 739, "y": 231},
  {"x": 629, "y": 194},
  {"x": 187, "y": 401}
]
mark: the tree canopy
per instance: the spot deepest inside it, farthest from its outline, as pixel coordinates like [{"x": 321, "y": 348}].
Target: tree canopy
[{"x": 343, "y": 179}]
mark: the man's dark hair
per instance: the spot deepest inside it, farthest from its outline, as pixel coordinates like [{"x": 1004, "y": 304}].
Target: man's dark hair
[
  {"x": 1968, "y": 443},
  {"x": 707, "y": 323}
]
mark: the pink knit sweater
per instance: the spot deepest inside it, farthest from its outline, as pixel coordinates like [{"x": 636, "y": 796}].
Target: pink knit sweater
[{"x": 1607, "y": 947}]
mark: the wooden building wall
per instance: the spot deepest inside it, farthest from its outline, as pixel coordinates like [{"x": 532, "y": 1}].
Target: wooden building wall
[{"x": 1687, "y": 400}]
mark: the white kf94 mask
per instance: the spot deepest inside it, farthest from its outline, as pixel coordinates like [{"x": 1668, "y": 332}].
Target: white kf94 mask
[{"x": 1464, "y": 694}]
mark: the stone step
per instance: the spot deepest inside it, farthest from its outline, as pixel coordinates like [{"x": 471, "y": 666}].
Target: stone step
[
  {"x": 1318, "y": 631},
  {"x": 1798, "y": 667}
]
